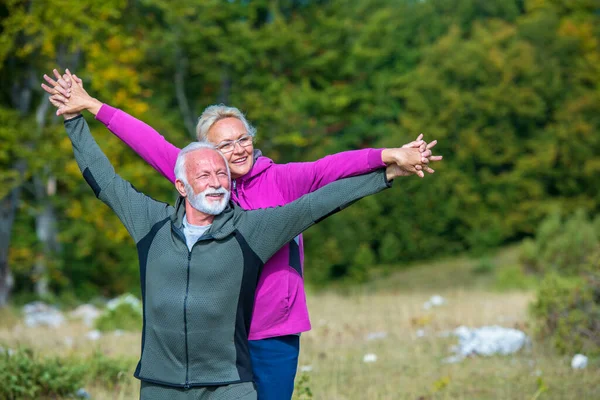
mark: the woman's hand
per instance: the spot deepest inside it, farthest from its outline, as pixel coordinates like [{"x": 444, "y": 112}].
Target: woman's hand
[
  {"x": 68, "y": 90},
  {"x": 411, "y": 159}
]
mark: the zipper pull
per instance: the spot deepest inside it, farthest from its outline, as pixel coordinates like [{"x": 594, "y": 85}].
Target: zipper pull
[
  {"x": 235, "y": 188},
  {"x": 186, "y": 386}
]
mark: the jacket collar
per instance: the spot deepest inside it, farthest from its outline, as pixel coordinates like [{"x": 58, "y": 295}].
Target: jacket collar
[
  {"x": 261, "y": 163},
  {"x": 222, "y": 225}
]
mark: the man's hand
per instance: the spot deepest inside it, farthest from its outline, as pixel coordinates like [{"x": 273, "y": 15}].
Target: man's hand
[
  {"x": 60, "y": 105},
  {"x": 68, "y": 90},
  {"x": 408, "y": 161}
]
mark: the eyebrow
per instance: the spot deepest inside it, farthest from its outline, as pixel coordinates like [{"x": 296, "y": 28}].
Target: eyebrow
[{"x": 233, "y": 140}]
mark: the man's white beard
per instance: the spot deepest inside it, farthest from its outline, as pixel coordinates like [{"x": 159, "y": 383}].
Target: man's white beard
[{"x": 200, "y": 203}]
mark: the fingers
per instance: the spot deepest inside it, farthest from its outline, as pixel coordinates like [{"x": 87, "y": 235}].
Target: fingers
[
  {"x": 50, "y": 80},
  {"x": 436, "y": 158},
  {"x": 59, "y": 98},
  {"x": 55, "y": 89},
  {"x": 74, "y": 78},
  {"x": 55, "y": 103},
  {"x": 420, "y": 137},
  {"x": 48, "y": 89},
  {"x": 78, "y": 80},
  {"x": 431, "y": 144},
  {"x": 413, "y": 144},
  {"x": 425, "y": 156},
  {"x": 56, "y": 74},
  {"x": 67, "y": 78},
  {"x": 61, "y": 80},
  {"x": 428, "y": 170}
]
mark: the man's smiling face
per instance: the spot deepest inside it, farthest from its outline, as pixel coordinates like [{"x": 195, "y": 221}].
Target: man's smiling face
[{"x": 208, "y": 189}]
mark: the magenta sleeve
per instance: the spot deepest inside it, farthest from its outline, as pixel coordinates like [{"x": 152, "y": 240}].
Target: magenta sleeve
[
  {"x": 297, "y": 179},
  {"x": 142, "y": 138}
]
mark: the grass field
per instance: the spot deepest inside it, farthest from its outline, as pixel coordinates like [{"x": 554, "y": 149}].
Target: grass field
[{"x": 407, "y": 366}]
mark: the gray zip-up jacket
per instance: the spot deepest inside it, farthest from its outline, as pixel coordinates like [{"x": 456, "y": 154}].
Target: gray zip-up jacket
[{"x": 198, "y": 304}]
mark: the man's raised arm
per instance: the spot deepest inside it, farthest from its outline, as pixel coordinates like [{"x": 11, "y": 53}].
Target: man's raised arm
[
  {"x": 267, "y": 230},
  {"x": 137, "y": 211}
]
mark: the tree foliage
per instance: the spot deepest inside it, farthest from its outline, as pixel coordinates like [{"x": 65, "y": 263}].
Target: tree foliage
[{"x": 509, "y": 88}]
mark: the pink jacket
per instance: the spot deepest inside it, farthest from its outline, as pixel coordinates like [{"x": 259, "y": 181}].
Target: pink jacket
[{"x": 280, "y": 303}]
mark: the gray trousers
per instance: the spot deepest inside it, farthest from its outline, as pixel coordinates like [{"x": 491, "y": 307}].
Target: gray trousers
[{"x": 236, "y": 391}]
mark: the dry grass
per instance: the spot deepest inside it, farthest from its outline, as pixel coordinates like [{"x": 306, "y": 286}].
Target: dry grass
[{"x": 407, "y": 366}]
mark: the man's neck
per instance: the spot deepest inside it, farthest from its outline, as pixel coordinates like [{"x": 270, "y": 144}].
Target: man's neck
[{"x": 195, "y": 217}]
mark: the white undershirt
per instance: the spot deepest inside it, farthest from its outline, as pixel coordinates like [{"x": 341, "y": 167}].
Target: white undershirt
[{"x": 193, "y": 232}]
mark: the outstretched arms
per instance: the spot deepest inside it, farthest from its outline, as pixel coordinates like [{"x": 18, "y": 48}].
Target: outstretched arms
[{"x": 298, "y": 179}]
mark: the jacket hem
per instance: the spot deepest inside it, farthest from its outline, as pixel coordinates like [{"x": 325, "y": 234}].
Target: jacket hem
[
  {"x": 290, "y": 329},
  {"x": 190, "y": 384}
]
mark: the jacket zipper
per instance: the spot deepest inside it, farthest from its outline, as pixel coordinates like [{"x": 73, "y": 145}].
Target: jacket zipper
[
  {"x": 181, "y": 236},
  {"x": 187, "y": 289}
]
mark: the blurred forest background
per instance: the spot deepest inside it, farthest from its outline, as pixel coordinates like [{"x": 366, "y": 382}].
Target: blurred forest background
[{"x": 510, "y": 88}]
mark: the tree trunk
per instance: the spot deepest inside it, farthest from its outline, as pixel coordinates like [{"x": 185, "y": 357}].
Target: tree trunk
[
  {"x": 184, "y": 106},
  {"x": 225, "y": 86},
  {"x": 8, "y": 211}
]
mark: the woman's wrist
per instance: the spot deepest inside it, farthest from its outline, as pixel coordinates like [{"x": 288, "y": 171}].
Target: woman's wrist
[
  {"x": 94, "y": 106},
  {"x": 386, "y": 157}
]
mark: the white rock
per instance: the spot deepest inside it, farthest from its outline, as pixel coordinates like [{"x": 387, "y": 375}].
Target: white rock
[
  {"x": 489, "y": 340},
  {"x": 420, "y": 333},
  {"x": 94, "y": 335},
  {"x": 41, "y": 314},
  {"x": 118, "y": 332},
  {"x": 434, "y": 301},
  {"x": 579, "y": 361},
  {"x": 376, "y": 335},
  {"x": 437, "y": 300},
  {"x": 68, "y": 340},
  {"x": 130, "y": 299},
  {"x": 86, "y": 312},
  {"x": 306, "y": 368},
  {"x": 453, "y": 359},
  {"x": 370, "y": 358}
]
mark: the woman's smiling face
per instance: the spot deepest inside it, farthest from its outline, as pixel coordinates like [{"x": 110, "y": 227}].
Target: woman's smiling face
[{"x": 240, "y": 159}]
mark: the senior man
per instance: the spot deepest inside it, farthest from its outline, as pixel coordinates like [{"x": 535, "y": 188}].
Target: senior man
[{"x": 200, "y": 261}]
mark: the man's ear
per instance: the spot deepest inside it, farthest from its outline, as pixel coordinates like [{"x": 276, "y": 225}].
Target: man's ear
[{"x": 180, "y": 186}]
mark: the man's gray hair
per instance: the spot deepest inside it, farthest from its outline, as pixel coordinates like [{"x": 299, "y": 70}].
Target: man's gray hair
[
  {"x": 180, "y": 172},
  {"x": 213, "y": 114}
]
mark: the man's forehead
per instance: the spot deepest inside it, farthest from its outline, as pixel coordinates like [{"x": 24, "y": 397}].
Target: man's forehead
[{"x": 205, "y": 158}]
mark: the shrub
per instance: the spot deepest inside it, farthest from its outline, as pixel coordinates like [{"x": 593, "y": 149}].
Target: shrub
[
  {"x": 567, "y": 310},
  {"x": 483, "y": 266},
  {"x": 25, "y": 376},
  {"x": 109, "y": 372},
  {"x": 512, "y": 277},
  {"x": 561, "y": 245},
  {"x": 124, "y": 312}
]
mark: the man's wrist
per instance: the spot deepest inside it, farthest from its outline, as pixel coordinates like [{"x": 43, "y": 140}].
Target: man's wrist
[{"x": 70, "y": 116}]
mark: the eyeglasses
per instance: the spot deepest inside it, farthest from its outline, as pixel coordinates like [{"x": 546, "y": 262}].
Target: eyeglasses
[{"x": 229, "y": 146}]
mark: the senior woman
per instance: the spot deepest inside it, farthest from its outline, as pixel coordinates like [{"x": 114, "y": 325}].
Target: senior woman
[{"x": 280, "y": 311}]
